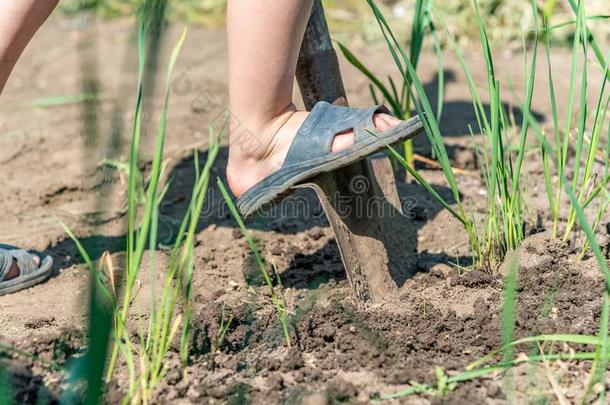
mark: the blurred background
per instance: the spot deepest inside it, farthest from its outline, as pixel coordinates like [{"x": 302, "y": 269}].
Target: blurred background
[{"x": 505, "y": 19}]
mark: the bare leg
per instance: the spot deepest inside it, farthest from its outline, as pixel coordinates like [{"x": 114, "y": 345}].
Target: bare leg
[
  {"x": 19, "y": 20},
  {"x": 264, "y": 38}
]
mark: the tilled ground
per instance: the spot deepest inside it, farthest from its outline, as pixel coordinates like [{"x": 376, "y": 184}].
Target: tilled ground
[{"x": 342, "y": 352}]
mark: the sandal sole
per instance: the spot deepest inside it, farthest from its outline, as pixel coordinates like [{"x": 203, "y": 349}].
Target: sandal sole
[{"x": 280, "y": 184}]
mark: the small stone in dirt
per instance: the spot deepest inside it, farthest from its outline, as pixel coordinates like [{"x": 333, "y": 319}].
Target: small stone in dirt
[
  {"x": 193, "y": 394},
  {"x": 341, "y": 390},
  {"x": 275, "y": 382},
  {"x": 276, "y": 251},
  {"x": 218, "y": 293},
  {"x": 465, "y": 158},
  {"x": 327, "y": 332},
  {"x": 494, "y": 391},
  {"x": 316, "y": 398},
  {"x": 572, "y": 392},
  {"x": 172, "y": 393},
  {"x": 173, "y": 376},
  {"x": 292, "y": 361},
  {"x": 271, "y": 363},
  {"x": 443, "y": 271},
  {"x": 316, "y": 233},
  {"x": 311, "y": 374},
  {"x": 292, "y": 250}
]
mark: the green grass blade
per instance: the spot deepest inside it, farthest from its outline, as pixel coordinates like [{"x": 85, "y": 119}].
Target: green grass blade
[
  {"x": 5, "y": 390},
  {"x": 601, "y": 112},
  {"x": 548, "y": 184},
  {"x": 100, "y": 326},
  {"x": 373, "y": 94},
  {"x": 395, "y": 96},
  {"x": 46, "y": 102},
  {"x": 563, "y": 338},
  {"x": 418, "y": 177},
  {"x": 481, "y": 116},
  {"x": 423, "y": 106},
  {"x": 480, "y": 372},
  {"x": 573, "y": 22},
  {"x": 186, "y": 261},
  {"x": 527, "y": 105},
  {"x": 549, "y": 8},
  {"x": 594, "y": 45},
  {"x": 418, "y": 26},
  {"x": 89, "y": 263},
  {"x": 281, "y": 312},
  {"x": 570, "y": 98},
  {"x": 354, "y": 61},
  {"x": 135, "y": 141},
  {"x": 553, "y": 201},
  {"x": 583, "y": 109},
  {"x": 440, "y": 76},
  {"x": 152, "y": 190},
  {"x": 52, "y": 365}
]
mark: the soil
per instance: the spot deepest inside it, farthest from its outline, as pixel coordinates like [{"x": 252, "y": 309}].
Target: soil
[{"x": 51, "y": 163}]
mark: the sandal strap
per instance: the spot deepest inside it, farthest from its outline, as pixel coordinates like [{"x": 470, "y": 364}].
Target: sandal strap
[
  {"x": 317, "y": 133},
  {"x": 25, "y": 262},
  {"x": 6, "y": 262}
]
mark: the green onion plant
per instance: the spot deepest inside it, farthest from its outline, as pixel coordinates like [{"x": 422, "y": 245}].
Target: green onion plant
[
  {"x": 399, "y": 98},
  {"x": 589, "y": 181},
  {"x": 504, "y": 222},
  {"x": 225, "y": 324},
  {"x": 144, "y": 347}
]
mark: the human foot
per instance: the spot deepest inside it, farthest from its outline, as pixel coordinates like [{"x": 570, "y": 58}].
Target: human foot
[
  {"x": 15, "y": 271},
  {"x": 253, "y": 159},
  {"x": 20, "y": 269}
]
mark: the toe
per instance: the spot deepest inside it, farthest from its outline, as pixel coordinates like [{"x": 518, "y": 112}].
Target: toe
[
  {"x": 14, "y": 272},
  {"x": 345, "y": 139},
  {"x": 385, "y": 121},
  {"x": 342, "y": 141}
]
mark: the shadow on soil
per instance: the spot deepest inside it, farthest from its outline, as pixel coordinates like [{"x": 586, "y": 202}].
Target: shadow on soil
[{"x": 301, "y": 211}]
